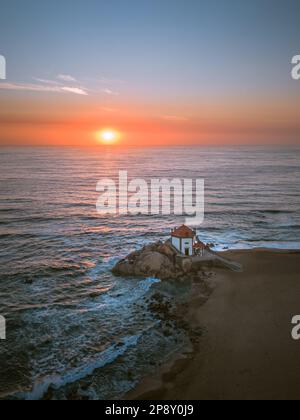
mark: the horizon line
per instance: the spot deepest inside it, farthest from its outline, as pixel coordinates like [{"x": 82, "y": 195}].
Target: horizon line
[{"x": 44, "y": 146}]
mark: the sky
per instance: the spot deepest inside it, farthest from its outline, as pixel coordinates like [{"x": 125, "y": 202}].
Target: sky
[{"x": 157, "y": 72}]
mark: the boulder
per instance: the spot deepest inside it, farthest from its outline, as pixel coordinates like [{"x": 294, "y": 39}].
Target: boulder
[
  {"x": 124, "y": 268},
  {"x": 153, "y": 264},
  {"x": 186, "y": 265},
  {"x": 156, "y": 260},
  {"x": 167, "y": 250}
]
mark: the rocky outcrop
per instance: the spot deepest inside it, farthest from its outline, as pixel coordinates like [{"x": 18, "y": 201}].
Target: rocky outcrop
[
  {"x": 155, "y": 260},
  {"x": 162, "y": 261}
]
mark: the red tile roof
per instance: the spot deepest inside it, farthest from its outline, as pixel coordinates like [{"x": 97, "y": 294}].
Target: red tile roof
[
  {"x": 199, "y": 245},
  {"x": 183, "y": 232}
]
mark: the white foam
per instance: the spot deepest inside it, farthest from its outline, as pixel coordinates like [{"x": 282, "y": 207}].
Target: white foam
[
  {"x": 80, "y": 372},
  {"x": 255, "y": 245}
]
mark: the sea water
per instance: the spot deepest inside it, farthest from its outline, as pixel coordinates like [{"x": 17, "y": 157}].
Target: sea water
[{"x": 73, "y": 327}]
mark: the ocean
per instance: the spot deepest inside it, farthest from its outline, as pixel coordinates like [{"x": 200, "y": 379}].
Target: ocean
[{"x": 72, "y": 327}]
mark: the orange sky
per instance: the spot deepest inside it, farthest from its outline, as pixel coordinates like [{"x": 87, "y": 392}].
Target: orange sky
[
  {"x": 73, "y": 120},
  {"x": 158, "y": 72}
]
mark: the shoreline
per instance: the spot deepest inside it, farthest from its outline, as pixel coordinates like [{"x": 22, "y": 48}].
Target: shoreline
[{"x": 246, "y": 351}]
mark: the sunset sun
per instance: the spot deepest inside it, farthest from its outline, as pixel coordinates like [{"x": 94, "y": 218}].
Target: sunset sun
[{"x": 108, "y": 136}]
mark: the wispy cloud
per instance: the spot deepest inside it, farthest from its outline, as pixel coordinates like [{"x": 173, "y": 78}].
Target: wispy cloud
[
  {"x": 63, "y": 83},
  {"x": 110, "y": 92},
  {"x": 66, "y": 78},
  {"x": 78, "y": 91},
  {"x": 42, "y": 88},
  {"x": 28, "y": 87},
  {"x": 46, "y": 81}
]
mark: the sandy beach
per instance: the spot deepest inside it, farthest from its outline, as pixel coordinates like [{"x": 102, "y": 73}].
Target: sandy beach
[{"x": 246, "y": 350}]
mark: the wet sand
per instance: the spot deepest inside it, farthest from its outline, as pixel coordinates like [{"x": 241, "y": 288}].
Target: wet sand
[{"x": 246, "y": 350}]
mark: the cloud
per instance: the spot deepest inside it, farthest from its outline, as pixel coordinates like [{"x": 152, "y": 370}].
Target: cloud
[
  {"x": 66, "y": 78},
  {"x": 28, "y": 87},
  {"x": 46, "y": 81},
  {"x": 75, "y": 90},
  {"x": 110, "y": 92},
  {"x": 65, "y": 83},
  {"x": 42, "y": 88}
]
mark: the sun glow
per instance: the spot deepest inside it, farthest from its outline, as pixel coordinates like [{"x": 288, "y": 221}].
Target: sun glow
[{"x": 108, "y": 136}]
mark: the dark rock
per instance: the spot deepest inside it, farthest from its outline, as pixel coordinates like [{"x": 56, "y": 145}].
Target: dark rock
[
  {"x": 72, "y": 394},
  {"x": 158, "y": 260},
  {"x": 85, "y": 386},
  {"x": 167, "y": 333},
  {"x": 49, "y": 394},
  {"x": 130, "y": 375}
]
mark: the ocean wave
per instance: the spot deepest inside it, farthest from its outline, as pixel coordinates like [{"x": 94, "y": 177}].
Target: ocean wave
[
  {"x": 272, "y": 211},
  {"x": 57, "y": 252},
  {"x": 11, "y": 210},
  {"x": 287, "y": 226},
  {"x": 267, "y": 244},
  {"x": 141, "y": 288},
  {"x": 41, "y": 386}
]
